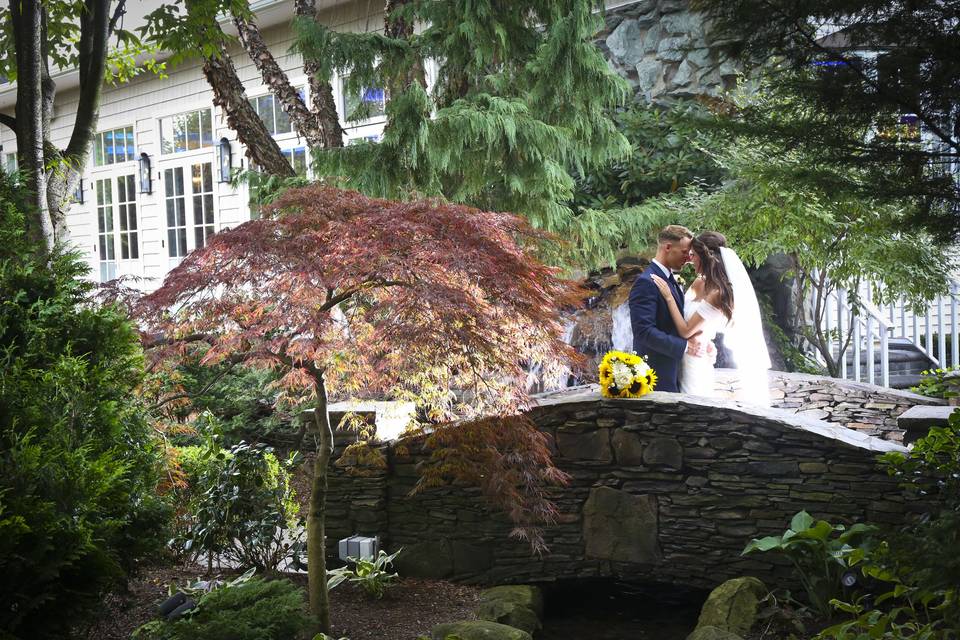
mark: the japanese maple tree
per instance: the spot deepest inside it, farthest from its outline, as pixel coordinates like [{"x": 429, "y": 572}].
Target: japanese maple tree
[{"x": 353, "y": 296}]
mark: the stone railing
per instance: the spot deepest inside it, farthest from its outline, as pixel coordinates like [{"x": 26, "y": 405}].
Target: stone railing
[
  {"x": 667, "y": 487},
  {"x": 867, "y": 408}
]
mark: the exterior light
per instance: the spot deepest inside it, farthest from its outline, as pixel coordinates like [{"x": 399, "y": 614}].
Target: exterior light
[
  {"x": 225, "y": 160},
  {"x": 849, "y": 579},
  {"x": 78, "y": 192},
  {"x": 146, "y": 183}
]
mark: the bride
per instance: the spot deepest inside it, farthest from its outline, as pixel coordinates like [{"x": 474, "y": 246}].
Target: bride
[{"x": 720, "y": 300}]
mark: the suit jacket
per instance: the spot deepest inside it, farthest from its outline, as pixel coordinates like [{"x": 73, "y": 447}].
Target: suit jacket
[{"x": 655, "y": 335}]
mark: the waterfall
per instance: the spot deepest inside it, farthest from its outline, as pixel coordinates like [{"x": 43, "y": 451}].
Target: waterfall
[{"x": 622, "y": 329}]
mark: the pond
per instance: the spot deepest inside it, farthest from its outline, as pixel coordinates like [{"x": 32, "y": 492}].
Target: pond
[{"x": 606, "y": 609}]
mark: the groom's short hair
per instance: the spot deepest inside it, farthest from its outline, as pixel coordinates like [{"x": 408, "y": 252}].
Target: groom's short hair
[{"x": 673, "y": 233}]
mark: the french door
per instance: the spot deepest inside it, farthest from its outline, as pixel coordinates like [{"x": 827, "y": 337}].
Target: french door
[
  {"x": 118, "y": 229},
  {"x": 188, "y": 202}
]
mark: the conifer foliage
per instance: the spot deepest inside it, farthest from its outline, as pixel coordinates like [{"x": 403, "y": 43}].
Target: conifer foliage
[
  {"x": 349, "y": 295},
  {"x": 520, "y": 100}
]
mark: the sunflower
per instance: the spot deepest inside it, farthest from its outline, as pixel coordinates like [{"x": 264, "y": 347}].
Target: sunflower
[{"x": 625, "y": 375}]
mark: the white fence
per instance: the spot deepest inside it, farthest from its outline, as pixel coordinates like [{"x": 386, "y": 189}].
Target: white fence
[{"x": 868, "y": 330}]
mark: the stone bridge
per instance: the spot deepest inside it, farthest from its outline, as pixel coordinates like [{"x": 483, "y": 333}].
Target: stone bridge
[{"x": 666, "y": 488}]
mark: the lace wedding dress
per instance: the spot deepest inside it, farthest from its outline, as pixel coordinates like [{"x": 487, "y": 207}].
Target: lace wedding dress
[{"x": 696, "y": 372}]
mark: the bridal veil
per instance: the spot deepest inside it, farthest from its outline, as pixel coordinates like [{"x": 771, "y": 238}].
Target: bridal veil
[{"x": 744, "y": 334}]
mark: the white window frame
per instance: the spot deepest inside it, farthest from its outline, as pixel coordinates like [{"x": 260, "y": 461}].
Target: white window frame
[
  {"x": 190, "y": 228},
  {"x": 185, "y": 153},
  {"x": 112, "y": 180},
  {"x": 349, "y": 126},
  {"x": 99, "y": 137}
]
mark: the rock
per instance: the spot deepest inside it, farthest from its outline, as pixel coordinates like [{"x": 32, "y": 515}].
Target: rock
[
  {"x": 732, "y": 607},
  {"x": 593, "y": 445},
  {"x": 684, "y": 74},
  {"x": 621, "y": 526},
  {"x": 712, "y": 633},
  {"x": 651, "y": 39},
  {"x": 478, "y": 630},
  {"x": 664, "y": 451},
  {"x": 524, "y": 595},
  {"x": 627, "y": 448},
  {"x": 510, "y": 614},
  {"x": 673, "y": 48},
  {"x": 684, "y": 23},
  {"x": 648, "y": 74},
  {"x": 469, "y": 558},
  {"x": 626, "y": 43},
  {"x": 426, "y": 560}
]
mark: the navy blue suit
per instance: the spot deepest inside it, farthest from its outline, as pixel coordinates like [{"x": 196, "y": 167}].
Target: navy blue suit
[{"x": 655, "y": 335}]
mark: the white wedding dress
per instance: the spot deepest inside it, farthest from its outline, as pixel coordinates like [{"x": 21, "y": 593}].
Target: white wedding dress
[{"x": 696, "y": 372}]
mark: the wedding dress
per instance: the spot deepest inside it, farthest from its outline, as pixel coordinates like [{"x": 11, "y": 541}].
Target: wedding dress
[{"x": 696, "y": 372}]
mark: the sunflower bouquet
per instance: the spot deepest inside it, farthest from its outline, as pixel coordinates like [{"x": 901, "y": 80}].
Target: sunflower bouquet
[{"x": 625, "y": 375}]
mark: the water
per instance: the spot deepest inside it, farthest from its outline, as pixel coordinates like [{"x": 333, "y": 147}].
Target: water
[
  {"x": 605, "y": 609},
  {"x": 622, "y": 329}
]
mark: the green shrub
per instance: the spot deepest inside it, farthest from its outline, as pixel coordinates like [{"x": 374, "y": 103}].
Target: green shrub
[
  {"x": 79, "y": 465},
  {"x": 238, "y": 504},
  {"x": 253, "y": 610},
  {"x": 820, "y": 553},
  {"x": 933, "y": 385}
]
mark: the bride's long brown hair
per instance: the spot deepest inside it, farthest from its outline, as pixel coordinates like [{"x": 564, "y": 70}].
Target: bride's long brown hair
[{"x": 707, "y": 245}]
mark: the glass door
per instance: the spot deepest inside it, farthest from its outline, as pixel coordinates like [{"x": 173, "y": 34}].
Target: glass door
[
  {"x": 118, "y": 229},
  {"x": 189, "y": 205}
]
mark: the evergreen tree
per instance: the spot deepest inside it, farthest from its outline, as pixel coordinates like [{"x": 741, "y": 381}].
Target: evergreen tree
[
  {"x": 876, "y": 85},
  {"x": 521, "y": 99}
]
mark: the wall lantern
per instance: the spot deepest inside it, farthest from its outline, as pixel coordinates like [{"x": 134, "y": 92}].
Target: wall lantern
[
  {"x": 78, "y": 192},
  {"x": 225, "y": 160},
  {"x": 146, "y": 183}
]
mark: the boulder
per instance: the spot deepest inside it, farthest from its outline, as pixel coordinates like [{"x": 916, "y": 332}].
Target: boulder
[
  {"x": 510, "y": 614},
  {"x": 712, "y": 633},
  {"x": 732, "y": 607},
  {"x": 621, "y": 526},
  {"x": 429, "y": 559},
  {"x": 523, "y": 595},
  {"x": 477, "y": 630}
]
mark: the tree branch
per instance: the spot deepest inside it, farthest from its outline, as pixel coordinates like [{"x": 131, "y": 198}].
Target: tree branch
[
  {"x": 321, "y": 93},
  {"x": 8, "y": 121}
]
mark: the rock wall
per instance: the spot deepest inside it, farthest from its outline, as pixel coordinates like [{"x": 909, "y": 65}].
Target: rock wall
[
  {"x": 665, "y": 488},
  {"x": 664, "y": 51},
  {"x": 867, "y": 408}
]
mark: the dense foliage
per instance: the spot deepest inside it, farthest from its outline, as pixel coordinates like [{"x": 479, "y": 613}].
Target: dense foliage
[
  {"x": 79, "y": 464},
  {"x": 255, "y": 609},
  {"x": 236, "y": 505},
  {"x": 348, "y": 296},
  {"x": 886, "y": 66}
]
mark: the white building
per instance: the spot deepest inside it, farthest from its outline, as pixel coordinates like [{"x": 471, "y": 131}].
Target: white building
[{"x": 125, "y": 230}]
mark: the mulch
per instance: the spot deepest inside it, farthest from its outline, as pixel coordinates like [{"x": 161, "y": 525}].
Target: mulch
[{"x": 411, "y": 607}]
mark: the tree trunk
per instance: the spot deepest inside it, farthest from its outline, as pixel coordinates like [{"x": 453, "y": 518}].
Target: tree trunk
[
  {"x": 316, "y": 534},
  {"x": 27, "y": 19},
  {"x": 307, "y": 124},
  {"x": 321, "y": 93},
  {"x": 229, "y": 94},
  {"x": 396, "y": 27}
]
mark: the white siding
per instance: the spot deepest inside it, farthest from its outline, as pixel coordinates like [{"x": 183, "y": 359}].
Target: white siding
[{"x": 144, "y": 100}]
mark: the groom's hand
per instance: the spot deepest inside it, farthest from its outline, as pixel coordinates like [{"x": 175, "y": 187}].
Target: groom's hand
[{"x": 694, "y": 346}]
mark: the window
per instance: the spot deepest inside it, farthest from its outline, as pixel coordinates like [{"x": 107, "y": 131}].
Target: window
[
  {"x": 10, "y": 162},
  {"x": 199, "y": 201},
  {"x": 186, "y": 131},
  {"x": 375, "y": 138},
  {"x": 110, "y": 147},
  {"x": 297, "y": 159},
  {"x": 116, "y": 210},
  {"x": 369, "y": 102},
  {"x": 202, "y": 183},
  {"x": 272, "y": 114},
  {"x": 105, "y": 234}
]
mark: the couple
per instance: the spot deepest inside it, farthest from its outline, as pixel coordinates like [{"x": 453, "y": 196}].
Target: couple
[{"x": 675, "y": 331}]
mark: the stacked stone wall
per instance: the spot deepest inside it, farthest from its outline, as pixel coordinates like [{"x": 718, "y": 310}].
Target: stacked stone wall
[
  {"x": 867, "y": 408},
  {"x": 664, "y": 488}
]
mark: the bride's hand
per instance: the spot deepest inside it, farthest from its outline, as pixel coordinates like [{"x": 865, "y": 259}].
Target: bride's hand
[{"x": 663, "y": 286}]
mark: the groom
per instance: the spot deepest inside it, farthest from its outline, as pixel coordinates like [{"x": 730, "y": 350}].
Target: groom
[{"x": 654, "y": 333}]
